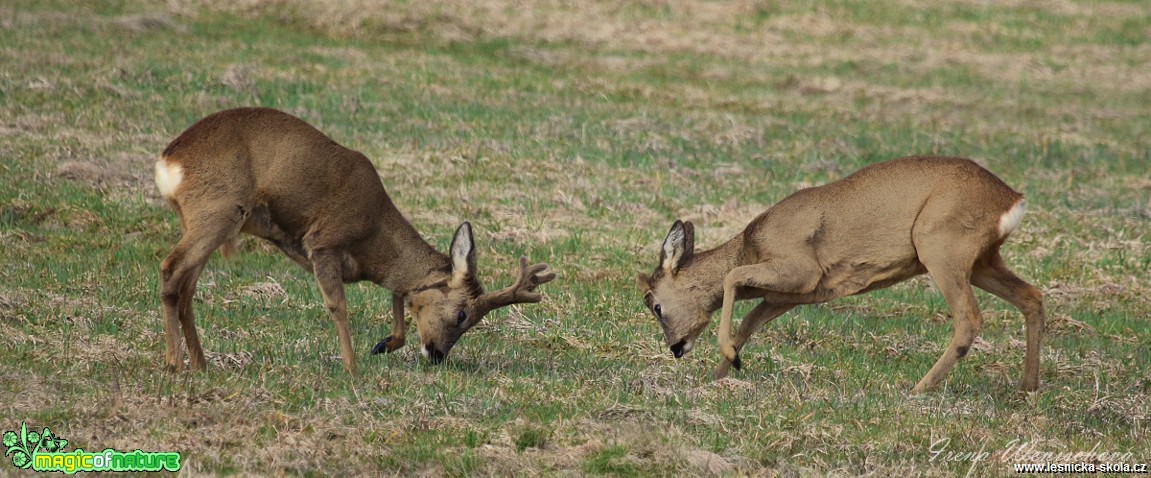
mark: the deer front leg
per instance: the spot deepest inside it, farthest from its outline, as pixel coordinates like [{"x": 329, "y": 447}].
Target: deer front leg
[
  {"x": 393, "y": 342},
  {"x": 785, "y": 276},
  {"x": 759, "y": 316},
  {"x": 327, "y": 266}
]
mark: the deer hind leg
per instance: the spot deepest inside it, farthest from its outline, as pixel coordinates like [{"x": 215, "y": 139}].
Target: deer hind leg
[
  {"x": 203, "y": 234},
  {"x": 171, "y": 306},
  {"x": 188, "y": 321},
  {"x": 991, "y": 275},
  {"x": 327, "y": 265},
  {"x": 952, "y": 276},
  {"x": 759, "y": 316}
]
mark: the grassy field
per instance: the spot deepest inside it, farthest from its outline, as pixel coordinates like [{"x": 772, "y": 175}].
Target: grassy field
[{"x": 575, "y": 132}]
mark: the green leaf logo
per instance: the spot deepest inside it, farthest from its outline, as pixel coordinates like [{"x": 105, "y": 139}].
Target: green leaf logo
[
  {"x": 21, "y": 447},
  {"x": 20, "y": 459},
  {"x": 17, "y": 446}
]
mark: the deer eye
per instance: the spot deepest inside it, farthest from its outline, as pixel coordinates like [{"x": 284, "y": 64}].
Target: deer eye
[
  {"x": 658, "y": 312},
  {"x": 461, "y": 317}
]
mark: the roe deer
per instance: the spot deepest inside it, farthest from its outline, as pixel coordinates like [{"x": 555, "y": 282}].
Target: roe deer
[
  {"x": 271, "y": 175},
  {"x": 883, "y": 224}
]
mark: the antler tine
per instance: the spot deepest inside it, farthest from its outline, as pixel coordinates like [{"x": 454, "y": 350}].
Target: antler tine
[{"x": 524, "y": 289}]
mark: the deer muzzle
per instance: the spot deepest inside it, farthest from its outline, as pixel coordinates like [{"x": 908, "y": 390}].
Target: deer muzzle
[{"x": 434, "y": 354}]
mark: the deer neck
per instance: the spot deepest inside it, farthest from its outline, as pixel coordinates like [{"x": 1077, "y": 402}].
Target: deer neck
[
  {"x": 708, "y": 269},
  {"x": 398, "y": 259}
]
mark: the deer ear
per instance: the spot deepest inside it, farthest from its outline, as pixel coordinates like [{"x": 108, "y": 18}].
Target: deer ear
[
  {"x": 678, "y": 246},
  {"x": 643, "y": 281},
  {"x": 688, "y": 238},
  {"x": 463, "y": 251}
]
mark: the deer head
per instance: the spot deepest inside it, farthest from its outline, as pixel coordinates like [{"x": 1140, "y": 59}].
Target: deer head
[
  {"x": 447, "y": 308},
  {"x": 681, "y": 304}
]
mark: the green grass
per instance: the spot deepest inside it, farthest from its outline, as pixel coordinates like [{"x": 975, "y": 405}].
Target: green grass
[{"x": 577, "y": 148}]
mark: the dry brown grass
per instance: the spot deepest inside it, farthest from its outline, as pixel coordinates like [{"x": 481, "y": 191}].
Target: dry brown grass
[{"x": 754, "y": 32}]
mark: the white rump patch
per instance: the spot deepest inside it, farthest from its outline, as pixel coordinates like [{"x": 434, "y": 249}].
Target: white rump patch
[
  {"x": 168, "y": 177},
  {"x": 1009, "y": 221}
]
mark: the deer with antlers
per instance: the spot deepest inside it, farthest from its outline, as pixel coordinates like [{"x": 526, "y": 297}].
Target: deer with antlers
[
  {"x": 271, "y": 175},
  {"x": 882, "y": 225}
]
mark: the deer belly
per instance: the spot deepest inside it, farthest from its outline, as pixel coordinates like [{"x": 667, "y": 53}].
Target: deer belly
[
  {"x": 844, "y": 279},
  {"x": 260, "y": 224}
]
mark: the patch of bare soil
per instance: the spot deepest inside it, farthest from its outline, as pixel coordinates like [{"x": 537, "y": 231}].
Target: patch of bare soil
[
  {"x": 121, "y": 174},
  {"x": 642, "y": 449},
  {"x": 149, "y": 22}
]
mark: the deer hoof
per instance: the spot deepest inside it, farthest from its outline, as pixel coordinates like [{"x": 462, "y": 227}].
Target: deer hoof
[
  {"x": 388, "y": 345},
  {"x": 737, "y": 363}
]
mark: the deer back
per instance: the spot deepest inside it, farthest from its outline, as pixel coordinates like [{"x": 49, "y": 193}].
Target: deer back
[{"x": 872, "y": 215}]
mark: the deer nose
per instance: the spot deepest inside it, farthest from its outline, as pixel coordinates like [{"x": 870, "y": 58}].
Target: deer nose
[
  {"x": 434, "y": 354},
  {"x": 677, "y": 349}
]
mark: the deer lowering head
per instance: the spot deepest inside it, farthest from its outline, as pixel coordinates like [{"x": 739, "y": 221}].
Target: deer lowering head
[
  {"x": 269, "y": 174},
  {"x": 683, "y": 316},
  {"x": 446, "y": 308},
  {"x": 879, "y": 226}
]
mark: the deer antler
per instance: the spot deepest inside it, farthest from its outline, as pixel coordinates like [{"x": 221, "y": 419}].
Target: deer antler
[{"x": 523, "y": 290}]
